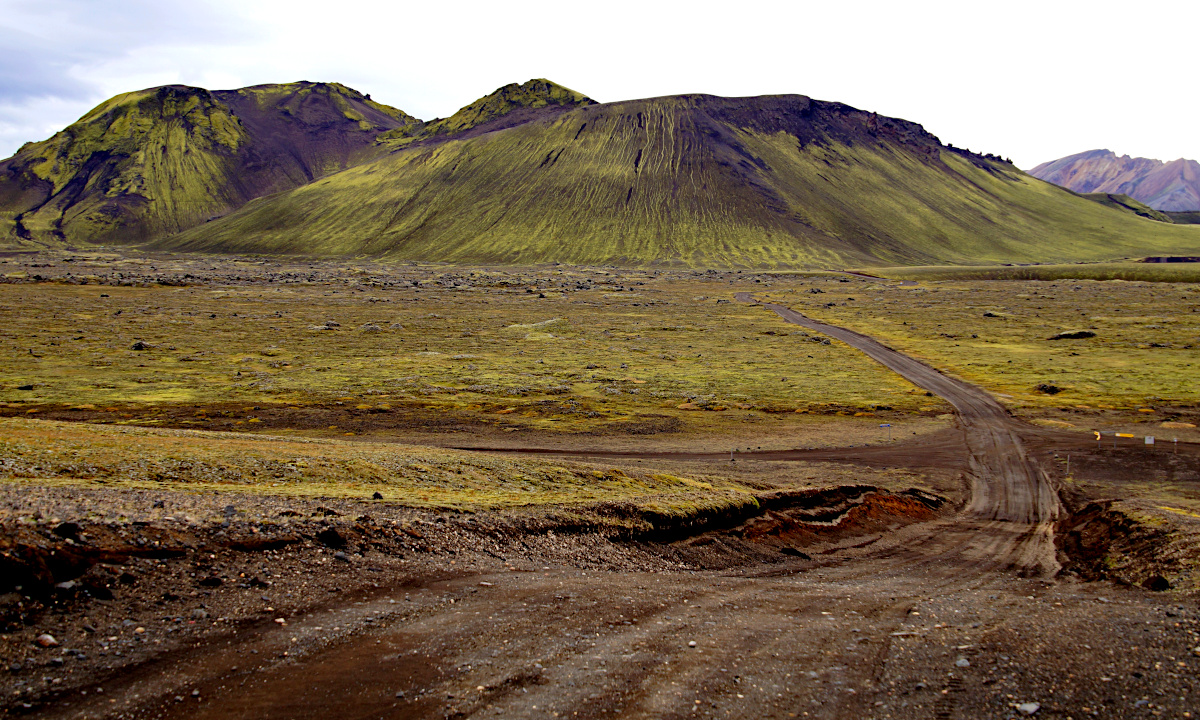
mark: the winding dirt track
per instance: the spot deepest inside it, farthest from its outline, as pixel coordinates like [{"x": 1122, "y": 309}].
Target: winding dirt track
[
  {"x": 1006, "y": 484},
  {"x": 847, "y": 636}
]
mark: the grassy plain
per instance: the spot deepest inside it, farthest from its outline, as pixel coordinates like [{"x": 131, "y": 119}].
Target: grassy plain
[
  {"x": 322, "y": 350},
  {"x": 362, "y": 354},
  {"x": 1142, "y": 361},
  {"x": 1132, "y": 271}
]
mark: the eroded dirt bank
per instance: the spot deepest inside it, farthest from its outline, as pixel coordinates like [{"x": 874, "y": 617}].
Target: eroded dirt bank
[{"x": 832, "y": 603}]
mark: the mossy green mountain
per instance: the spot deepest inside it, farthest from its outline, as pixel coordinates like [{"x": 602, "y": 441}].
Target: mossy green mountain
[
  {"x": 157, "y": 161},
  {"x": 538, "y": 173},
  {"x": 508, "y": 106},
  {"x": 777, "y": 181}
]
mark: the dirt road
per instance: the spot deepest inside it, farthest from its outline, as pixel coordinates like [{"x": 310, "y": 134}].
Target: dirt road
[
  {"x": 955, "y": 618},
  {"x": 1007, "y": 485}
]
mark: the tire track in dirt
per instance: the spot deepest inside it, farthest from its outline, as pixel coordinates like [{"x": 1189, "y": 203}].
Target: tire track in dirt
[{"x": 1007, "y": 485}]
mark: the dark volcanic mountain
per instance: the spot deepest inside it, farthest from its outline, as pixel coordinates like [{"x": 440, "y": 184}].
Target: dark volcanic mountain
[
  {"x": 693, "y": 179},
  {"x": 1172, "y": 186},
  {"x": 538, "y": 173},
  {"x": 154, "y": 162}
]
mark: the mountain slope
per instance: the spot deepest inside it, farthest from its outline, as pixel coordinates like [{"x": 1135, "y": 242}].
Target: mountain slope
[
  {"x": 1128, "y": 204},
  {"x": 1172, "y": 186},
  {"x": 157, "y": 161},
  {"x": 695, "y": 179}
]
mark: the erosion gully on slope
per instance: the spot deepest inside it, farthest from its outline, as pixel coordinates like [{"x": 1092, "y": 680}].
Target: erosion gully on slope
[{"x": 928, "y": 621}]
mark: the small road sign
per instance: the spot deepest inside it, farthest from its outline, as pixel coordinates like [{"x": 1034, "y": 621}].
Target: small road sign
[{"x": 1149, "y": 439}]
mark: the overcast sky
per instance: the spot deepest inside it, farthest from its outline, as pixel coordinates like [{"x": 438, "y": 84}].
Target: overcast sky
[{"x": 1033, "y": 81}]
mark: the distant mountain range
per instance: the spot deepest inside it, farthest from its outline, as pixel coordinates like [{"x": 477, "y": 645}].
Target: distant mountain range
[
  {"x": 536, "y": 173},
  {"x": 1173, "y": 186}
]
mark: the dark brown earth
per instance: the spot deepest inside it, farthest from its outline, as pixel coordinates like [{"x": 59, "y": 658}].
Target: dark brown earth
[{"x": 847, "y": 603}]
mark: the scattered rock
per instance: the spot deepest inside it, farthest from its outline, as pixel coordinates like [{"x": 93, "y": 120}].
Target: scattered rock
[
  {"x": 1029, "y": 708},
  {"x": 24, "y": 387},
  {"x": 140, "y": 345},
  {"x": 332, "y": 324},
  {"x": 370, "y": 328},
  {"x": 211, "y": 581},
  {"x": 962, "y": 662},
  {"x": 691, "y": 643},
  {"x": 377, "y": 496},
  {"x": 330, "y": 537},
  {"x": 1073, "y": 335},
  {"x": 339, "y": 555},
  {"x": 1156, "y": 583},
  {"x": 67, "y": 530},
  {"x": 159, "y": 504},
  {"x": 1048, "y": 389},
  {"x": 46, "y": 640}
]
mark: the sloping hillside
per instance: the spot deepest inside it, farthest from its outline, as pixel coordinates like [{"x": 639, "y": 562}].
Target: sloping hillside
[
  {"x": 696, "y": 179},
  {"x": 157, "y": 161},
  {"x": 1173, "y": 186}
]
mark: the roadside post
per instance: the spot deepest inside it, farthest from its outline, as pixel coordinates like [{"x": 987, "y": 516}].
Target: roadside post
[
  {"x": 1097, "y": 438},
  {"x": 1068, "y": 464},
  {"x": 1120, "y": 435},
  {"x": 731, "y": 455},
  {"x": 889, "y": 427}
]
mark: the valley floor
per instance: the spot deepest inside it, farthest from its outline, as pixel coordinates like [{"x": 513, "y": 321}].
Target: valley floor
[{"x": 958, "y": 569}]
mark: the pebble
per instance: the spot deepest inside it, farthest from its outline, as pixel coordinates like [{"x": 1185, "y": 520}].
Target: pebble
[
  {"x": 962, "y": 662},
  {"x": 1029, "y": 708},
  {"x": 691, "y": 643},
  {"x": 199, "y": 614},
  {"x": 47, "y": 640}
]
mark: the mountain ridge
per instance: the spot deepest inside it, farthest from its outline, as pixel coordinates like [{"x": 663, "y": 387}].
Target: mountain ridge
[
  {"x": 536, "y": 172},
  {"x": 1172, "y": 186},
  {"x": 774, "y": 181},
  {"x": 160, "y": 160}
]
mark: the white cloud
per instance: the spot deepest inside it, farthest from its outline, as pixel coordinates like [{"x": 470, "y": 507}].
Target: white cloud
[{"x": 1030, "y": 80}]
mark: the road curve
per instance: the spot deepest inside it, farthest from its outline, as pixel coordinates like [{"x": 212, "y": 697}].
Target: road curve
[{"x": 1007, "y": 485}]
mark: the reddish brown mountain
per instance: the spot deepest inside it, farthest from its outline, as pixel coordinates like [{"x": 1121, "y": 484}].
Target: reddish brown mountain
[{"x": 1172, "y": 186}]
